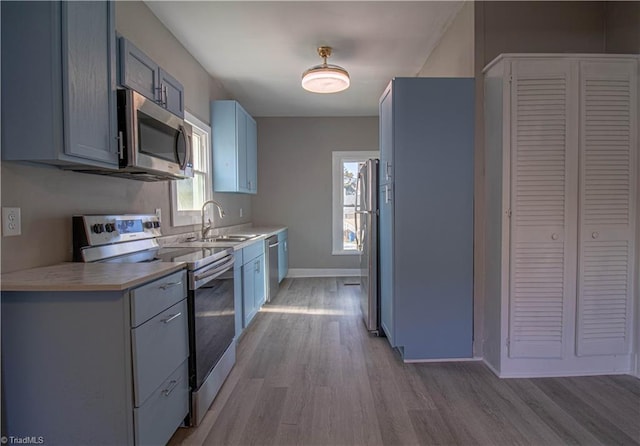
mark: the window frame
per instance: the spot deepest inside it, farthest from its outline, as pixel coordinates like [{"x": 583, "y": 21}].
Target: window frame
[
  {"x": 338, "y": 158},
  {"x": 192, "y": 217}
]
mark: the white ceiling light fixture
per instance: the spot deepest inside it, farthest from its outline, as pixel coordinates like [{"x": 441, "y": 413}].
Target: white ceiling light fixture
[{"x": 325, "y": 78}]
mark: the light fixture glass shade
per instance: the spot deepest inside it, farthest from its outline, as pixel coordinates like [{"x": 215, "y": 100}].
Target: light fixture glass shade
[{"x": 325, "y": 78}]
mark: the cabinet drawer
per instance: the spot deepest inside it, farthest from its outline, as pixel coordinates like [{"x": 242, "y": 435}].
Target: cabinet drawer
[
  {"x": 152, "y": 298},
  {"x": 160, "y": 416},
  {"x": 159, "y": 347},
  {"x": 252, "y": 251}
]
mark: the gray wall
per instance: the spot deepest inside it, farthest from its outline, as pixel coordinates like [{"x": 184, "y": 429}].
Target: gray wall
[
  {"x": 527, "y": 27},
  {"x": 294, "y": 181},
  {"x": 48, "y": 197},
  {"x": 622, "y": 27},
  {"x": 453, "y": 55}
]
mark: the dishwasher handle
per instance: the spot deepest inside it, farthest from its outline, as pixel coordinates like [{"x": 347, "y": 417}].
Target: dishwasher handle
[{"x": 274, "y": 245}]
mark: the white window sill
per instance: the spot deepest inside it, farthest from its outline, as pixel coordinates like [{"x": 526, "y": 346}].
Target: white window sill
[{"x": 354, "y": 252}]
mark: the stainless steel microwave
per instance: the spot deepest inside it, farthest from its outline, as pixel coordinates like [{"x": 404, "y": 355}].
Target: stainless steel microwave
[{"x": 153, "y": 143}]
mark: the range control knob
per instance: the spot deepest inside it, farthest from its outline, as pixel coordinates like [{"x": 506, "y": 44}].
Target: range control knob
[
  {"x": 148, "y": 224},
  {"x": 156, "y": 224},
  {"x": 110, "y": 227},
  {"x": 98, "y": 228}
]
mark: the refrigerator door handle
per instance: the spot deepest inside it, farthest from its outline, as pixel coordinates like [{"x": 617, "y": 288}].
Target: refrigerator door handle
[{"x": 356, "y": 217}]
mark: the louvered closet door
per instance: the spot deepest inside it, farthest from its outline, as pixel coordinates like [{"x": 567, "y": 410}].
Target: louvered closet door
[
  {"x": 608, "y": 194},
  {"x": 543, "y": 145}
]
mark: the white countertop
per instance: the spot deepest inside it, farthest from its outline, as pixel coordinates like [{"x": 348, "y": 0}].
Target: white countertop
[
  {"x": 263, "y": 232},
  {"x": 77, "y": 276}
]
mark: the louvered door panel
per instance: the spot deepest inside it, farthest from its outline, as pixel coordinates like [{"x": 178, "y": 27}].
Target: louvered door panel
[
  {"x": 539, "y": 205},
  {"x": 608, "y": 194}
]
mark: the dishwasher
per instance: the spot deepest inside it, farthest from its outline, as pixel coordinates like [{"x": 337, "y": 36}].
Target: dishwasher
[{"x": 272, "y": 267}]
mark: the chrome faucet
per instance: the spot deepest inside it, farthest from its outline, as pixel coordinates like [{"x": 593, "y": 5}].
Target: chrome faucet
[{"x": 209, "y": 227}]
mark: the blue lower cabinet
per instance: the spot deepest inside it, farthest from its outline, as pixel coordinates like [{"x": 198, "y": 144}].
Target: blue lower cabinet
[
  {"x": 249, "y": 309},
  {"x": 105, "y": 367},
  {"x": 237, "y": 293},
  {"x": 253, "y": 281}
]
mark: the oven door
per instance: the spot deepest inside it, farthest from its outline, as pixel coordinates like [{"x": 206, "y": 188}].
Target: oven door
[
  {"x": 212, "y": 317},
  {"x": 156, "y": 140}
]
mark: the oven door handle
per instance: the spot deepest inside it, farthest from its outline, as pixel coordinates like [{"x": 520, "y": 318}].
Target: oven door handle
[{"x": 212, "y": 273}]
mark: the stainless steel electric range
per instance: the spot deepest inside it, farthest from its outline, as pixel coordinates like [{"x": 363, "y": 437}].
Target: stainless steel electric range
[{"x": 210, "y": 300}]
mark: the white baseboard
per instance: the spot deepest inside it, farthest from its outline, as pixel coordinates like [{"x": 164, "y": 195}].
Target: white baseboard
[
  {"x": 295, "y": 273},
  {"x": 416, "y": 361},
  {"x": 491, "y": 367}
]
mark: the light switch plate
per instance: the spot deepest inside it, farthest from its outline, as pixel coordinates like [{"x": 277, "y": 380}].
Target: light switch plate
[{"x": 11, "y": 224}]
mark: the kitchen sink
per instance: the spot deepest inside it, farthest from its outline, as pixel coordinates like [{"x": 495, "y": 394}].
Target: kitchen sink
[{"x": 226, "y": 238}]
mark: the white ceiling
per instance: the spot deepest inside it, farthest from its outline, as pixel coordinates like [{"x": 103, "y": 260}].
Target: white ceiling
[{"x": 259, "y": 49}]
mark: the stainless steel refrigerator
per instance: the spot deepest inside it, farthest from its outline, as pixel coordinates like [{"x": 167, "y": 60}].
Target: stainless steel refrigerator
[{"x": 366, "y": 221}]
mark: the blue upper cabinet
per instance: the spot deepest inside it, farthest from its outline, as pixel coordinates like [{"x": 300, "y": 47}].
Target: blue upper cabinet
[
  {"x": 172, "y": 93},
  {"x": 426, "y": 217},
  {"x": 140, "y": 73},
  {"x": 58, "y": 83},
  {"x": 235, "y": 148}
]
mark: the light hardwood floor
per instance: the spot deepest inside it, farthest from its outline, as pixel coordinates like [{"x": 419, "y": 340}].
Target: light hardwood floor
[{"x": 308, "y": 373}]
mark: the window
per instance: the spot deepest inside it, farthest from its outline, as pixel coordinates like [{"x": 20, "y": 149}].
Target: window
[
  {"x": 345, "y": 174},
  {"x": 188, "y": 195}
]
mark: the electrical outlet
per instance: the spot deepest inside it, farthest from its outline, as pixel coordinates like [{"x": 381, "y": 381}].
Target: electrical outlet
[
  {"x": 11, "y": 222},
  {"x": 159, "y": 214},
  {"x": 241, "y": 213}
]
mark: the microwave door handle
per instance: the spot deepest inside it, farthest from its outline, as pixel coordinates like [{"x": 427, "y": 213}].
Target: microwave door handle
[
  {"x": 183, "y": 134},
  {"x": 189, "y": 155}
]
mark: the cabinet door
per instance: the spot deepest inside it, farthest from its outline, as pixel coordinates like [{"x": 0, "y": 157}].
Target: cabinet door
[
  {"x": 234, "y": 148},
  {"x": 225, "y": 142},
  {"x": 543, "y": 173},
  {"x": 138, "y": 71},
  {"x": 386, "y": 136},
  {"x": 248, "y": 292},
  {"x": 172, "y": 93},
  {"x": 386, "y": 262},
  {"x": 608, "y": 196},
  {"x": 252, "y": 155},
  {"x": 238, "y": 301},
  {"x": 259, "y": 285},
  {"x": 241, "y": 148},
  {"x": 89, "y": 96}
]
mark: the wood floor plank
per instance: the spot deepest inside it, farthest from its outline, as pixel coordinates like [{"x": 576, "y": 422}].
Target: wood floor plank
[
  {"x": 308, "y": 373},
  {"x": 620, "y": 412},
  {"x": 232, "y": 421},
  {"x": 598, "y": 425},
  {"x": 262, "y": 424}
]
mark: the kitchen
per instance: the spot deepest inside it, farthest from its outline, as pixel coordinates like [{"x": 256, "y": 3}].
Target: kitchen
[{"x": 49, "y": 196}]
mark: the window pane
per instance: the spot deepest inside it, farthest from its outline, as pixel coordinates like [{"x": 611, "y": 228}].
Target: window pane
[
  {"x": 350, "y": 177},
  {"x": 191, "y": 192},
  {"x": 197, "y": 151},
  {"x": 348, "y": 228}
]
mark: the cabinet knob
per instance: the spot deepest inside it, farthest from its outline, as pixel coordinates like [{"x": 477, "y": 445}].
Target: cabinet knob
[
  {"x": 595, "y": 235},
  {"x": 555, "y": 236}
]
